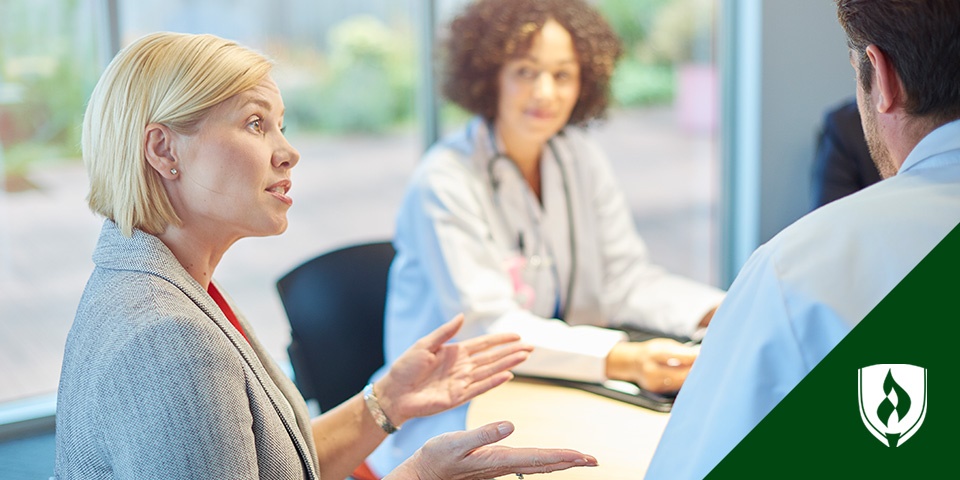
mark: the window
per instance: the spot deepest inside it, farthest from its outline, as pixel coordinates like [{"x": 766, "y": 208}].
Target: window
[
  {"x": 49, "y": 61},
  {"x": 661, "y": 135},
  {"x": 349, "y": 75},
  {"x": 338, "y": 65}
]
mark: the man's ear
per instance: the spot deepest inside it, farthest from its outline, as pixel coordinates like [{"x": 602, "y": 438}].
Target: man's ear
[
  {"x": 889, "y": 92},
  {"x": 158, "y": 147}
]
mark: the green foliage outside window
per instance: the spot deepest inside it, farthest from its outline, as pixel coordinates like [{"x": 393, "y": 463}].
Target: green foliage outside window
[
  {"x": 657, "y": 35},
  {"x": 47, "y": 70},
  {"x": 636, "y": 83},
  {"x": 366, "y": 82}
]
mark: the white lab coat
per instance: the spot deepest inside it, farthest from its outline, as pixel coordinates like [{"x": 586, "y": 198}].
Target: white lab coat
[
  {"x": 457, "y": 234},
  {"x": 800, "y": 294}
]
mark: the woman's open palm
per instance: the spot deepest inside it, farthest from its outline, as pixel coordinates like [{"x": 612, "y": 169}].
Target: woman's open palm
[{"x": 433, "y": 376}]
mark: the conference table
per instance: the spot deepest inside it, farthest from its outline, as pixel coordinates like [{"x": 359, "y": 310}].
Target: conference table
[{"x": 622, "y": 436}]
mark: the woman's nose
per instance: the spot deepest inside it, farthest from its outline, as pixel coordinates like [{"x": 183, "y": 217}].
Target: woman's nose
[
  {"x": 286, "y": 156},
  {"x": 545, "y": 86}
]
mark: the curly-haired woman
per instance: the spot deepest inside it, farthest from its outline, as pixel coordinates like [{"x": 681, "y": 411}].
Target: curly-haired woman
[{"x": 517, "y": 220}]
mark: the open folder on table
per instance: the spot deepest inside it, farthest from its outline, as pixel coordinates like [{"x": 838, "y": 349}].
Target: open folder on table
[{"x": 625, "y": 391}]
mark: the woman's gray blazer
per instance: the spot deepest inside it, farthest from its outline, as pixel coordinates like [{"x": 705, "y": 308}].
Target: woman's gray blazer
[{"x": 156, "y": 382}]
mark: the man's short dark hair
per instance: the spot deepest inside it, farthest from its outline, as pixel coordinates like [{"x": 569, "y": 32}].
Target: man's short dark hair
[
  {"x": 491, "y": 32},
  {"x": 922, "y": 40}
]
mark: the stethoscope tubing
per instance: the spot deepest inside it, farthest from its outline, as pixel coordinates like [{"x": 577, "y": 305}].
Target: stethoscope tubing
[{"x": 495, "y": 186}]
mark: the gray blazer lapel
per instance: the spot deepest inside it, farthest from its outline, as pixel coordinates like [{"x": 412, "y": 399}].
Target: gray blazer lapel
[
  {"x": 285, "y": 388},
  {"x": 146, "y": 253}
]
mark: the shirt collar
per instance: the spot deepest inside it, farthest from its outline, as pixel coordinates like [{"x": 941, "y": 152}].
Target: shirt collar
[{"x": 944, "y": 139}]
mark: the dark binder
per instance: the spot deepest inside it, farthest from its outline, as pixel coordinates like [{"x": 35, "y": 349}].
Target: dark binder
[{"x": 642, "y": 398}]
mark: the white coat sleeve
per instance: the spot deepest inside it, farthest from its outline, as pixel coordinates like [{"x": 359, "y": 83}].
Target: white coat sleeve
[
  {"x": 636, "y": 291},
  {"x": 465, "y": 271}
]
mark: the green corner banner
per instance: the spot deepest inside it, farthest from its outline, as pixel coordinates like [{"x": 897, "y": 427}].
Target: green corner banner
[{"x": 832, "y": 423}]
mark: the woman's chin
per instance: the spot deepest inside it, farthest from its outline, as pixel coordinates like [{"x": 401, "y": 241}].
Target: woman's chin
[
  {"x": 274, "y": 229},
  {"x": 280, "y": 228}
]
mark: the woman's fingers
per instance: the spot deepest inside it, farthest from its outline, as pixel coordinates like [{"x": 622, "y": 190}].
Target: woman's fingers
[
  {"x": 518, "y": 457},
  {"x": 485, "y": 384},
  {"x": 506, "y": 460},
  {"x": 442, "y": 334},
  {"x": 486, "y": 377},
  {"x": 485, "y": 342},
  {"x": 481, "y": 371},
  {"x": 546, "y": 460},
  {"x": 473, "y": 439},
  {"x": 492, "y": 355},
  {"x": 471, "y": 454},
  {"x": 435, "y": 339}
]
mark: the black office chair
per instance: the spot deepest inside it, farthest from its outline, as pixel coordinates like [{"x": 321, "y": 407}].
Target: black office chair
[{"x": 334, "y": 304}]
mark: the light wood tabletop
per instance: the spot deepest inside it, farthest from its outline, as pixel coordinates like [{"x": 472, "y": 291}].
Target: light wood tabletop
[{"x": 621, "y": 436}]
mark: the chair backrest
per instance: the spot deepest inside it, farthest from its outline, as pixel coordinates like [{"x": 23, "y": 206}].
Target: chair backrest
[{"x": 334, "y": 304}]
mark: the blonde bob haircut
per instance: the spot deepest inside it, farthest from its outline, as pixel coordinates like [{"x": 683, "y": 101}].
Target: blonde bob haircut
[{"x": 172, "y": 79}]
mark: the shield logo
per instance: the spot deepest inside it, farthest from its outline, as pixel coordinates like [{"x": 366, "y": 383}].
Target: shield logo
[{"x": 893, "y": 401}]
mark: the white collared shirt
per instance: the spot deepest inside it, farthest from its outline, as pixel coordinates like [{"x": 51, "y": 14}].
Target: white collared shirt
[{"x": 800, "y": 294}]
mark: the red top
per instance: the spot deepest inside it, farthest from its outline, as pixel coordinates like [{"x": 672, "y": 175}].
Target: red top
[{"x": 225, "y": 308}]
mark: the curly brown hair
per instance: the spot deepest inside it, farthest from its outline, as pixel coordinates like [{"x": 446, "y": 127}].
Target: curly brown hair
[{"x": 491, "y": 32}]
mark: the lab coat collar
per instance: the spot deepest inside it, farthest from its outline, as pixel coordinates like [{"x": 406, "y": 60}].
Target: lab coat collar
[{"x": 479, "y": 132}]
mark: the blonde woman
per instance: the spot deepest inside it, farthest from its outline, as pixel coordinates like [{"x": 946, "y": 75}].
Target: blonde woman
[{"x": 162, "y": 377}]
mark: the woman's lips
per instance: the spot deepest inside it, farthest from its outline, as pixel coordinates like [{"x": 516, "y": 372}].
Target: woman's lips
[
  {"x": 541, "y": 114},
  {"x": 279, "y": 191}
]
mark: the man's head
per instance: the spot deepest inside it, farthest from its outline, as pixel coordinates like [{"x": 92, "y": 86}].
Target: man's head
[{"x": 907, "y": 56}]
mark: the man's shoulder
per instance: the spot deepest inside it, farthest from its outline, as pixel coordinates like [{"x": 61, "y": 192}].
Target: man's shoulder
[
  {"x": 876, "y": 214},
  {"x": 849, "y": 254}
]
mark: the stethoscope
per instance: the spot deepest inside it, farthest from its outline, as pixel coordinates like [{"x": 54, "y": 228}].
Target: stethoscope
[{"x": 536, "y": 260}]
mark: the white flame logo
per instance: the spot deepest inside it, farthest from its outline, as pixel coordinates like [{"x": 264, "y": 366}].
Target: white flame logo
[{"x": 893, "y": 401}]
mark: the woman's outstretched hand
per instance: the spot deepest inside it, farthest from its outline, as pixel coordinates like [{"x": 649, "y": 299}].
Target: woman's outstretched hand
[
  {"x": 433, "y": 376},
  {"x": 469, "y": 455}
]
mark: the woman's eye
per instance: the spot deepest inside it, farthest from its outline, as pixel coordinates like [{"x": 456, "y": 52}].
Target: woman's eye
[
  {"x": 526, "y": 73},
  {"x": 256, "y": 125}
]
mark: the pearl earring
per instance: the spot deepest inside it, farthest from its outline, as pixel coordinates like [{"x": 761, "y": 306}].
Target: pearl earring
[{"x": 173, "y": 171}]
